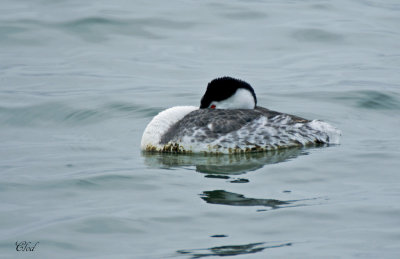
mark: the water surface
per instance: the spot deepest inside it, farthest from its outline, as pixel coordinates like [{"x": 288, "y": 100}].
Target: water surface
[{"x": 80, "y": 81}]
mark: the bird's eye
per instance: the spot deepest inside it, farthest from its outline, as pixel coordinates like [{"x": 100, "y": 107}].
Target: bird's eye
[{"x": 213, "y": 106}]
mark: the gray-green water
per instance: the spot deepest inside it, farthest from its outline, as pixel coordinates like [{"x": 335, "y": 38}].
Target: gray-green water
[{"x": 80, "y": 80}]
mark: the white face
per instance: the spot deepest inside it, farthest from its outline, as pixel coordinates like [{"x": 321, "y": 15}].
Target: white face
[{"x": 242, "y": 99}]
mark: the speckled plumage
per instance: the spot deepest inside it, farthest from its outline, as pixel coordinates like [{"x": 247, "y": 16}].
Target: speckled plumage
[{"x": 239, "y": 130}]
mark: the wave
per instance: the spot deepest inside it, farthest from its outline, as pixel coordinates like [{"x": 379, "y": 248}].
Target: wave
[
  {"x": 94, "y": 28},
  {"x": 63, "y": 114}
]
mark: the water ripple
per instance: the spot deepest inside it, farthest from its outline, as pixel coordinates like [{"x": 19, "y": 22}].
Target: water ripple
[
  {"x": 317, "y": 35},
  {"x": 59, "y": 113},
  {"x": 106, "y": 225},
  {"x": 48, "y": 113},
  {"x": 366, "y": 99},
  {"x": 245, "y": 15},
  {"x": 234, "y": 199},
  {"x": 231, "y": 250},
  {"x": 96, "y": 28},
  {"x": 375, "y": 100}
]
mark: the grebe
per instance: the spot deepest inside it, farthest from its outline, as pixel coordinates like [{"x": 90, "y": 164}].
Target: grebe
[{"x": 229, "y": 121}]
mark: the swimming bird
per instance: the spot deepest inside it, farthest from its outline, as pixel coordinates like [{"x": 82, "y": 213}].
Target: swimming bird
[{"x": 229, "y": 121}]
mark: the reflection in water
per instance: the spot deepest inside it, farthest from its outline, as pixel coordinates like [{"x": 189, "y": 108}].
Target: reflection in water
[
  {"x": 215, "y": 165},
  {"x": 223, "y": 167},
  {"x": 230, "y": 250},
  {"x": 234, "y": 199}
]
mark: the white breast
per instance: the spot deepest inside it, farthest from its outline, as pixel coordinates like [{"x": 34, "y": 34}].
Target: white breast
[{"x": 161, "y": 123}]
